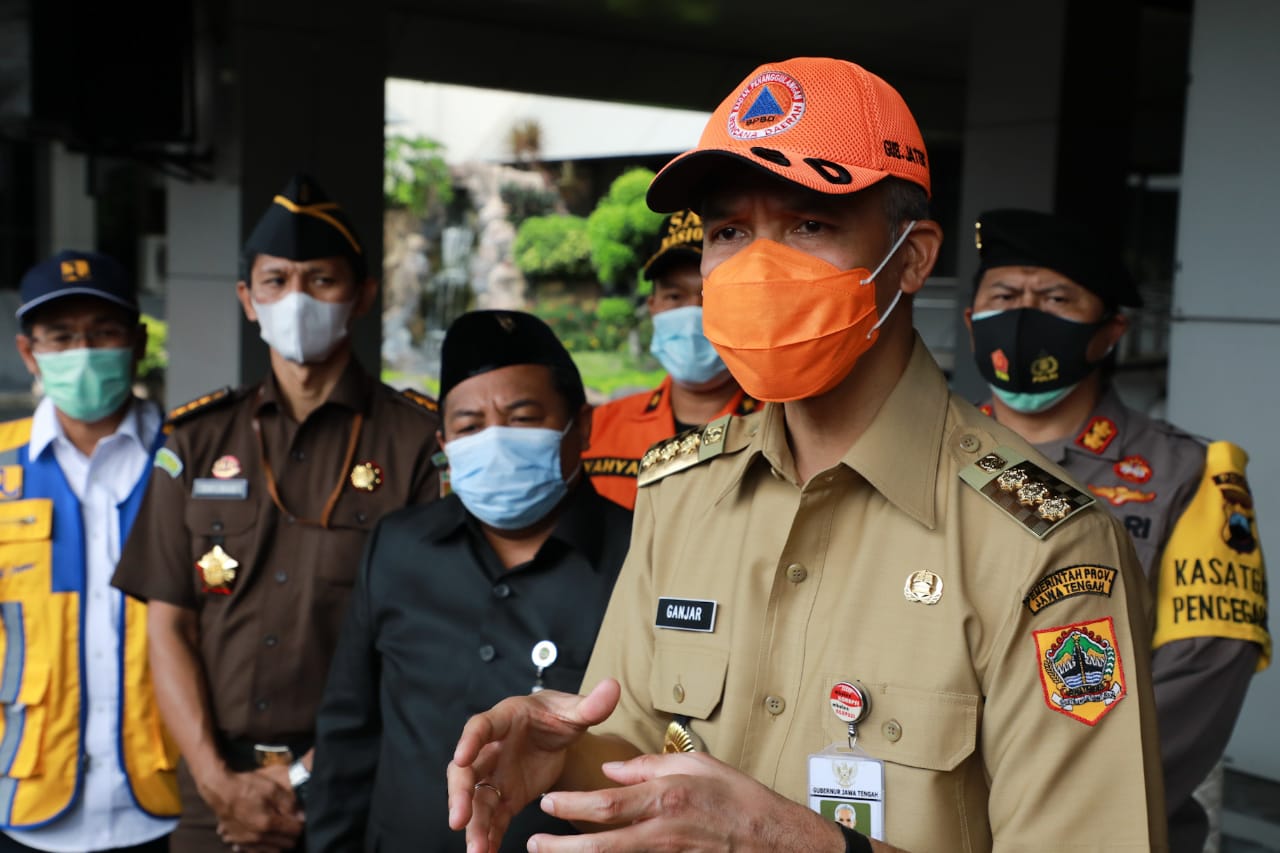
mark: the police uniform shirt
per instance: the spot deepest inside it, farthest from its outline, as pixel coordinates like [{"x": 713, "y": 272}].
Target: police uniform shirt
[
  {"x": 439, "y": 630},
  {"x": 267, "y": 635},
  {"x": 1146, "y": 472},
  {"x": 979, "y": 752},
  {"x": 622, "y": 430}
]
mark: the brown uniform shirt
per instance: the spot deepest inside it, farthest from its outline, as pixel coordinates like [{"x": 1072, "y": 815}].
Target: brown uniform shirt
[
  {"x": 1146, "y": 472},
  {"x": 267, "y": 636},
  {"x": 809, "y": 580}
]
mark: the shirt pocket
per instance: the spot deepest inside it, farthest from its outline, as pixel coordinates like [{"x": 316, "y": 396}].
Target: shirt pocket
[
  {"x": 687, "y": 678},
  {"x": 220, "y": 522},
  {"x": 925, "y": 729}
]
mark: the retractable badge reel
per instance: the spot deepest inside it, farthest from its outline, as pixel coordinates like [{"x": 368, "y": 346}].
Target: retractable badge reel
[
  {"x": 845, "y": 784},
  {"x": 544, "y": 654}
]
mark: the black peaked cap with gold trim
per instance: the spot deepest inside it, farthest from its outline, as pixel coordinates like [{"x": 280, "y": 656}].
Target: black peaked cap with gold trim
[
  {"x": 303, "y": 224},
  {"x": 481, "y": 341},
  {"x": 1029, "y": 238}
]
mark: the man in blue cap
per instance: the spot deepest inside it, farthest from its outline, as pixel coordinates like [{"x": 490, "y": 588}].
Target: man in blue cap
[
  {"x": 248, "y": 543},
  {"x": 86, "y": 764}
]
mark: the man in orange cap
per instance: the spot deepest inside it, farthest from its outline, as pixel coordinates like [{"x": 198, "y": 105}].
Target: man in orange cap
[
  {"x": 698, "y": 387},
  {"x": 867, "y": 592}
]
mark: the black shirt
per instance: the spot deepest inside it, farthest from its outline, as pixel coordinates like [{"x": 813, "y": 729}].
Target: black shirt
[{"x": 437, "y": 631}]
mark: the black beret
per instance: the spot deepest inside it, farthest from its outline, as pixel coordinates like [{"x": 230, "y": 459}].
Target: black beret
[
  {"x": 679, "y": 240},
  {"x": 1029, "y": 238},
  {"x": 480, "y": 341},
  {"x": 71, "y": 273},
  {"x": 302, "y": 224}
]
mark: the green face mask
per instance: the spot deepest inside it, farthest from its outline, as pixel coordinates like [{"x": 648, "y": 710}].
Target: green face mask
[{"x": 87, "y": 384}]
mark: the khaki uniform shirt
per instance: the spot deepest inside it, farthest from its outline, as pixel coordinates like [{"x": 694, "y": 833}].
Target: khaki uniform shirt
[
  {"x": 809, "y": 581},
  {"x": 1146, "y": 472},
  {"x": 267, "y": 635}
]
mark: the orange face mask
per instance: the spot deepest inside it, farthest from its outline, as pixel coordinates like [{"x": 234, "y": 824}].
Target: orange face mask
[{"x": 789, "y": 325}]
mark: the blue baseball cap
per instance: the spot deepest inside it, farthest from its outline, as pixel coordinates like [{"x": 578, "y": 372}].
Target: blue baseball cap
[{"x": 71, "y": 273}]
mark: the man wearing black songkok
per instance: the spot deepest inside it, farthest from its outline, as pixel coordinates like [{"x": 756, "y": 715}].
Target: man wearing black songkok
[
  {"x": 1045, "y": 318},
  {"x": 496, "y": 590},
  {"x": 251, "y": 533}
]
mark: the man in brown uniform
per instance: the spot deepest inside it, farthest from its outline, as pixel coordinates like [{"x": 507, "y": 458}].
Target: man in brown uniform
[
  {"x": 252, "y": 530},
  {"x": 852, "y": 562},
  {"x": 1045, "y": 312}
]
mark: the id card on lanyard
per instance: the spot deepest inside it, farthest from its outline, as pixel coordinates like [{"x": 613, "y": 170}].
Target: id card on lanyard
[{"x": 845, "y": 784}]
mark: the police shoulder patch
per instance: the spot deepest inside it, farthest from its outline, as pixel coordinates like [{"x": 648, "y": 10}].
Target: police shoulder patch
[
  {"x": 421, "y": 400},
  {"x": 1030, "y": 495},
  {"x": 169, "y": 462},
  {"x": 683, "y": 451},
  {"x": 200, "y": 405}
]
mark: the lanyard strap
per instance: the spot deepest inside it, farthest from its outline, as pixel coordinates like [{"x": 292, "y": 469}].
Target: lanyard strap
[{"x": 356, "y": 423}]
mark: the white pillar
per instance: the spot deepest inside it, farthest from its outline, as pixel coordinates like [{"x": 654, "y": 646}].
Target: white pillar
[{"x": 1225, "y": 338}]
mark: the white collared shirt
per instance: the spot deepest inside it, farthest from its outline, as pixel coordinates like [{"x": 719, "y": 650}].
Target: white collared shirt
[{"x": 104, "y": 816}]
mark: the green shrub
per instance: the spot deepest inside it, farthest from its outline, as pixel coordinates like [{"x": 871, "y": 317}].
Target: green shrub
[{"x": 553, "y": 246}]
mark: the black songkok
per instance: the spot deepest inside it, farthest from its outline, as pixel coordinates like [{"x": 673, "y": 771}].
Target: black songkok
[{"x": 480, "y": 341}]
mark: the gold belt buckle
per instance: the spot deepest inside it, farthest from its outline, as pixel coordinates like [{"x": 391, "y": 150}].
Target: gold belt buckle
[{"x": 270, "y": 755}]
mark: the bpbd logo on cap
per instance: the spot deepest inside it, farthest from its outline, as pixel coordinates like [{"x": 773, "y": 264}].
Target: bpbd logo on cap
[
  {"x": 769, "y": 104},
  {"x": 75, "y": 270}
]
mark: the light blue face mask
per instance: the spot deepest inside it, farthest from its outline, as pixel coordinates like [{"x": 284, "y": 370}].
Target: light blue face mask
[
  {"x": 508, "y": 477},
  {"x": 682, "y": 349},
  {"x": 87, "y": 384},
  {"x": 1031, "y": 402}
]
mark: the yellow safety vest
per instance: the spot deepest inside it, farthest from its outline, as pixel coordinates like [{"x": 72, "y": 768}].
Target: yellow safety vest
[{"x": 42, "y": 712}]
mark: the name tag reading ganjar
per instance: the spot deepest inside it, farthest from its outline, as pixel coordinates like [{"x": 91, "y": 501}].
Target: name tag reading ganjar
[{"x": 686, "y": 614}]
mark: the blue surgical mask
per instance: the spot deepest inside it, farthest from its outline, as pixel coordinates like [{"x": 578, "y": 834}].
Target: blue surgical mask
[
  {"x": 682, "y": 349},
  {"x": 87, "y": 384},
  {"x": 508, "y": 477}
]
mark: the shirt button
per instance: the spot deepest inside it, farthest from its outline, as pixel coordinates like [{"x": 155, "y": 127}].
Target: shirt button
[
  {"x": 487, "y": 653},
  {"x": 216, "y": 526},
  {"x": 262, "y": 704},
  {"x": 298, "y": 456},
  {"x": 677, "y": 692},
  {"x": 796, "y": 573},
  {"x": 775, "y": 705},
  {"x": 501, "y": 591},
  {"x": 361, "y": 518},
  {"x": 281, "y": 577},
  {"x": 271, "y": 641},
  {"x": 969, "y": 443},
  {"x": 892, "y": 731},
  {"x": 289, "y": 519}
]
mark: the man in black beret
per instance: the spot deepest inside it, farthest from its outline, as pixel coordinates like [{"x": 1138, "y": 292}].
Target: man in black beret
[
  {"x": 259, "y": 506},
  {"x": 1044, "y": 321},
  {"x": 496, "y": 590}
]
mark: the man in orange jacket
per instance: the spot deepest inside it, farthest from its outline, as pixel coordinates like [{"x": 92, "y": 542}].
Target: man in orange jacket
[{"x": 698, "y": 387}]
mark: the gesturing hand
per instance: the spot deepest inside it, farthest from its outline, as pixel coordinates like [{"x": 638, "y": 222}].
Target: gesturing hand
[{"x": 519, "y": 748}]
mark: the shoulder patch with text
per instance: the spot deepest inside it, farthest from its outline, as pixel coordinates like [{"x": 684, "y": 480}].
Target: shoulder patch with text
[
  {"x": 1070, "y": 582},
  {"x": 1080, "y": 669}
]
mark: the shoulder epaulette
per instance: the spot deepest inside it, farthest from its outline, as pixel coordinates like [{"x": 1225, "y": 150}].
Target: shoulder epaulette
[
  {"x": 205, "y": 403},
  {"x": 1030, "y": 495},
  {"x": 683, "y": 451},
  {"x": 421, "y": 400}
]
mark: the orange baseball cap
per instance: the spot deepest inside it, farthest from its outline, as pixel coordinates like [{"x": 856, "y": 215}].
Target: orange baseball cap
[{"x": 825, "y": 124}]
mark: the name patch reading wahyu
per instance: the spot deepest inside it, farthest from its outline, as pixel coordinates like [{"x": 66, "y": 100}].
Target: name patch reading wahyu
[
  {"x": 228, "y": 490},
  {"x": 686, "y": 614},
  {"x": 1068, "y": 582}
]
